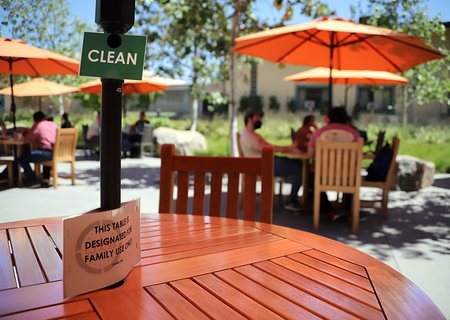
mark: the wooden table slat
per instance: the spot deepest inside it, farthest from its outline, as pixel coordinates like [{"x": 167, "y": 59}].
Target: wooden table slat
[
  {"x": 70, "y": 309},
  {"x": 48, "y": 256},
  {"x": 330, "y": 281},
  {"x": 211, "y": 243},
  {"x": 232, "y": 297},
  {"x": 196, "y": 235},
  {"x": 207, "y": 250},
  {"x": 362, "y": 282},
  {"x": 328, "y": 258},
  {"x": 309, "y": 302},
  {"x": 7, "y": 278},
  {"x": 267, "y": 298},
  {"x": 205, "y": 301},
  {"x": 131, "y": 304},
  {"x": 325, "y": 293},
  {"x": 171, "y": 300},
  {"x": 28, "y": 268},
  {"x": 56, "y": 232}
]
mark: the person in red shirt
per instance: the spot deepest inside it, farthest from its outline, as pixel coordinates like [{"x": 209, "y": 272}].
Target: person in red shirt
[
  {"x": 303, "y": 134},
  {"x": 41, "y": 137}
]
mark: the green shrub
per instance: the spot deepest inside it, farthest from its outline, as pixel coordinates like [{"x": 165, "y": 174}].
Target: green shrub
[
  {"x": 250, "y": 103},
  {"x": 274, "y": 104},
  {"x": 291, "y": 105}
]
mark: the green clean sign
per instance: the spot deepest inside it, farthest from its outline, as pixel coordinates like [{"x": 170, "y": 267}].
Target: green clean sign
[{"x": 112, "y": 56}]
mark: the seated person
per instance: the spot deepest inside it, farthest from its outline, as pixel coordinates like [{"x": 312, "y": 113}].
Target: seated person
[
  {"x": 337, "y": 129},
  {"x": 141, "y": 122},
  {"x": 302, "y": 135},
  {"x": 252, "y": 145},
  {"x": 94, "y": 128},
  {"x": 65, "y": 123},
  {"x": 42, "y": 137}
]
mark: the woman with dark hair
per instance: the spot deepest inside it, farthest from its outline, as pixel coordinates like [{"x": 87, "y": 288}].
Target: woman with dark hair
[{"x": 65, "y": 123}]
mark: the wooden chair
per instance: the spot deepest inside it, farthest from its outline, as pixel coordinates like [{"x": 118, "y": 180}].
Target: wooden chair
[
  {"x": 277, "y": 180},
  {"x": 63, "y": 151},
  {"x": 199, "y": 166},
  {"x": 8, "y": 161},
  {"x": 338, "y": 168},
  {"x": 147, "y": 139},
  {"x": 383, "y": 185}
]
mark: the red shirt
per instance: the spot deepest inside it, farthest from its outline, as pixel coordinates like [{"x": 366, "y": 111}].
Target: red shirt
[
  {"x": 302, "y": 137},
  {"x": 42, "y": 134}
]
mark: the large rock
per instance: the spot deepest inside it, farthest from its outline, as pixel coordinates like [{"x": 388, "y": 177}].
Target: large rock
[
  {"x": 186, "y": 142},
  {"x": 413, "y": 173}
]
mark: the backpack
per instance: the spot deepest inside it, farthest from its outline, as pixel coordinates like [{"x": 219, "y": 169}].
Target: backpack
[{"x": 378, "y": 169}]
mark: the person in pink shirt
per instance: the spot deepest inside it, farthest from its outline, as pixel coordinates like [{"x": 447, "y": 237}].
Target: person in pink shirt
[
  {"x": 339, "y": 130},
  {"x": 41, "y": 137}
]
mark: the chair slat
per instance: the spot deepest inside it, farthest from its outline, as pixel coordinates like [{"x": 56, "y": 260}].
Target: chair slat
[
  {"x": 338, "y": 165},
  {"x": 249, "y": 197},
  {"x": 182, "y": 194},
  {"x": 346, "y": 167},
  {"x": 232, "y": 195},
  {"x": 199, "y": 193},
  {"x": 332, "y": 166},
  {"x": 215, "y": 201}
]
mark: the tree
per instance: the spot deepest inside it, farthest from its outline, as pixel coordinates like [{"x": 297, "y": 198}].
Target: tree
[
  {"x": 429, "y": 81},
  {"x": 244, "y": 22},
  {"x": 187, "y": 38},
  {"x": 45, "y": 24}
]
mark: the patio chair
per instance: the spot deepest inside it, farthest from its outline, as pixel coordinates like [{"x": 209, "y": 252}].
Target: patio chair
[
  {"x": 63, "y": 152},
  {"x": 338, "y": 168},
  {"x": 147, "y": 139},
  {"x": 91, "y": 146},
  {"x": 8, "y": 161},
  {"x": 277, "y": 180},
  {"x": 384, "y": 185},
  {"x": 216, "y": 167}
]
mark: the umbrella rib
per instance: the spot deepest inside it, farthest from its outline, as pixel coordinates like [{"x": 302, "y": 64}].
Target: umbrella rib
[
  {"x": 297, "y": 46},
  {"x": 32, "y": 67},
  {"x": 429, "y": 50},
  {"x": 64, "y": 66},
  {"x": 380, "y": 53},
  {"x": 260, "y": 42}
]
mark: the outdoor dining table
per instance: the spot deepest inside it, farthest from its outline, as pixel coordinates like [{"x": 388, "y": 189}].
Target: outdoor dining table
[
  {"x": 206, "y": 267},
  {"x": 17, "y": 144}
]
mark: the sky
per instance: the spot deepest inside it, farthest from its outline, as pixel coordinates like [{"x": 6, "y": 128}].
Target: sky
[{"x": 264, "y": 8}]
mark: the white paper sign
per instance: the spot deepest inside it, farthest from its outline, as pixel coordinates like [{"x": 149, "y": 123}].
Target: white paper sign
[{"x": 100, "y": 248}]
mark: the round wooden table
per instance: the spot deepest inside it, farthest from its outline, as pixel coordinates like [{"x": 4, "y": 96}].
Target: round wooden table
[{"x": 199, "y": 267}]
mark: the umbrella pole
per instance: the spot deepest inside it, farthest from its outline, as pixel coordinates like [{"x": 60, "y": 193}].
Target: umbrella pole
[
  {"x": 110, "y": 143},
  {"x": 330, "y": 79},
  {"x": 13, "y": 104}
]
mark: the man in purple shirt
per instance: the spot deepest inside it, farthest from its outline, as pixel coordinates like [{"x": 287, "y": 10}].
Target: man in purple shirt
[{"x": 41, "y": 137}]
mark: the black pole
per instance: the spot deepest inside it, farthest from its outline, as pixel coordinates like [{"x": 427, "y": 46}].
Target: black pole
[
  {"x": 330, "y": 80},
  {"x": 13, "y": 104},
  {"x": 115, "y": 19},
  {"x": 110, "y": 143}
]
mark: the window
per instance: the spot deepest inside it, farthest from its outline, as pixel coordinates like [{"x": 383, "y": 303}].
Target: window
[
  {"x": 311, "y": 98},
  {"x": 376, "y": 99}
]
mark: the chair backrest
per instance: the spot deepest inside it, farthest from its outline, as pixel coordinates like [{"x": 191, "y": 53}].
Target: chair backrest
[
  {"x": 65, "y": 145},
  {"x": 147, "y": 133},
  {"x": 338, "y": 165},
  {"x": 217, "y": 167},
  {"x": 395, "y": 146}
]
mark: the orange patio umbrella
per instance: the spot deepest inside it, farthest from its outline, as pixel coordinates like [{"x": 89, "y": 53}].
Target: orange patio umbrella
[
  {"x": 338, "y": 44},
  {"x": 369, "y": 77},
  {"x": 18, "y": 58},
  {"x": 39, "y": 87},
  {"x": 145, "y": 85}
]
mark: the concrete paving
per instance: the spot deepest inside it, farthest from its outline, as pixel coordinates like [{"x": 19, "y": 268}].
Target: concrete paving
[{"x": 415, "y": 240}]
